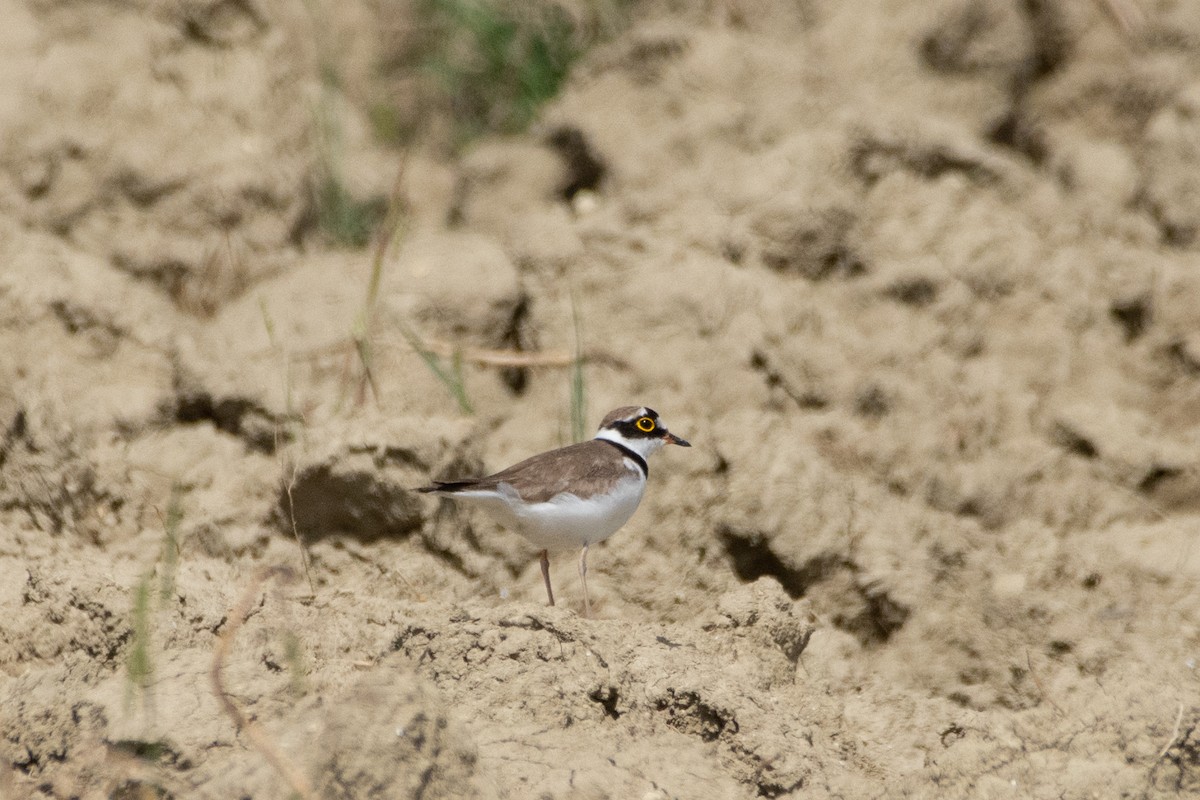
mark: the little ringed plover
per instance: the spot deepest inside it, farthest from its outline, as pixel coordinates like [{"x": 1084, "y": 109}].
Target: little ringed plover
[{"x": 574, "y": 496}]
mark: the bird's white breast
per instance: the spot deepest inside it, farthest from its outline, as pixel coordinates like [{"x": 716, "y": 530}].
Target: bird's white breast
[{"x": 565, "y": 521}]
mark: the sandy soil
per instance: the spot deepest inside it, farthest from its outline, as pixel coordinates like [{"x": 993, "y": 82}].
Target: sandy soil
[{"x": 918, "y": 280}]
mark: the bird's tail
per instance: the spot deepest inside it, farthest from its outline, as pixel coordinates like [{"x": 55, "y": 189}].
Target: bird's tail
[{"x": 446, "y": 486}]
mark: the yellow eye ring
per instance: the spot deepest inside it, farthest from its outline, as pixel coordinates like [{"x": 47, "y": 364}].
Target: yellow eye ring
[{"x": 645, "y": 424}]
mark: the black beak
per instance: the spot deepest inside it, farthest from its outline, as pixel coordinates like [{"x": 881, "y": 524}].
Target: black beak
[{"x": 671, "y": 438}]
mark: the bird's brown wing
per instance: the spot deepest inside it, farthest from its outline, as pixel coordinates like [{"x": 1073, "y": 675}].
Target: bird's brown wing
[{"x": 583, "y": 468}]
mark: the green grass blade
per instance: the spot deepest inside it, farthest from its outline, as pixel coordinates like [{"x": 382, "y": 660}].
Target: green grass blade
[
  {"x": 170, "y": 551},
  {"x": 578, "y": 384},
  {"x": 139, "y": 668},
  {"x": 452, "y": 379}
]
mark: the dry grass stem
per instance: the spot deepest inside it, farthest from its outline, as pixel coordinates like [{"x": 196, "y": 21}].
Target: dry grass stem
[
  {"x": 288, "y": 486},
  {"x": 1174, "y": 735},
  {"x": 258, "y": 738},
  {"x": 396, "y": 209}
]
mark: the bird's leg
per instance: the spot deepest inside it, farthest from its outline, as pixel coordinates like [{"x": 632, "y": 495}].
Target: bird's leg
[
  {"x": 587, "y": 604},
  {"x": 546, "y": 575}
]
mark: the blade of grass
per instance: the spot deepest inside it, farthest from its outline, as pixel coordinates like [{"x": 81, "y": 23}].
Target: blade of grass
[
  {"x": 293, "y": 654},
  {"x": 286, "y": 465},
  {"x": 362, "y": 346},
  {"x": 295, "y": 421},
  {"x": 139, "y": 668},
  {"x": 360, "y": 333},
  {"x": 170, "y": 552},
  {"x": 451, "y": 379},
  {"x": 578, "y": 385}
]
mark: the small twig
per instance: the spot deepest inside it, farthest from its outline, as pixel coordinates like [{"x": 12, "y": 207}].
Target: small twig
[
  {"x": 1174, "y": 735},
  {"x": 269, "y": 750}
]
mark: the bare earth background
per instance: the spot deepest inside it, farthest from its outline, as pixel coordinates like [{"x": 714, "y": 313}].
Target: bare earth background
[{"x": 920, "y": 281}]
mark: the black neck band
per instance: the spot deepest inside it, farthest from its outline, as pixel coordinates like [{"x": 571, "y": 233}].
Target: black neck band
[{"x": 630, "y": 453}]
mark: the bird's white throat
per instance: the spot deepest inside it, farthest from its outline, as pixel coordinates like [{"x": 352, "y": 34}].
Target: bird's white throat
[{"x": 644, "y": 447}]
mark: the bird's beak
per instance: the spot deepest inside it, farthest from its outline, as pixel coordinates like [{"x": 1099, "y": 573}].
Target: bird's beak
[{"x": 671, "y": 438}]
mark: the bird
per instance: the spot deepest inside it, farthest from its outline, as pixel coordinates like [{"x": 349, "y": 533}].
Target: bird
[{"x": 574, "y": 496}]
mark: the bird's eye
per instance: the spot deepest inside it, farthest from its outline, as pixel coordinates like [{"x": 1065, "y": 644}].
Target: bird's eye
[{"x": 645, "y": 424}]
